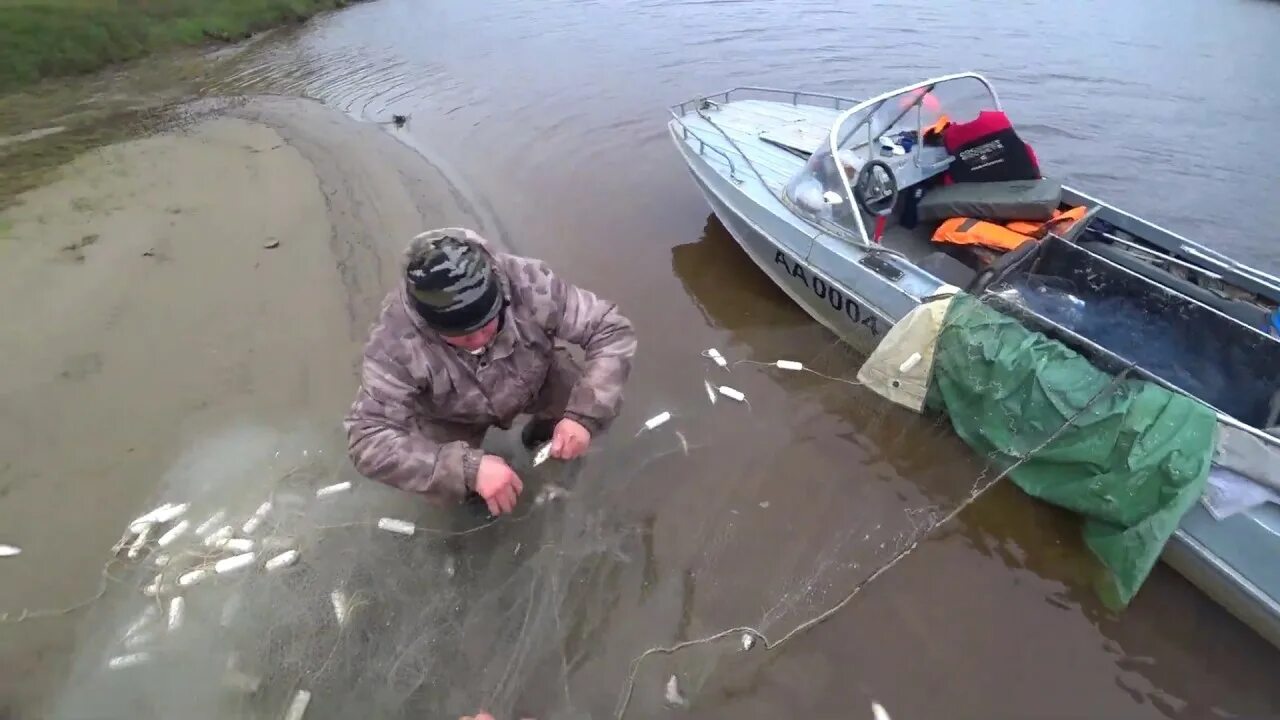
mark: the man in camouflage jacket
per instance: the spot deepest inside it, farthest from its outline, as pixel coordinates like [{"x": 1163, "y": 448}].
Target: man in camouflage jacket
[{"x": 468, "y": 341}]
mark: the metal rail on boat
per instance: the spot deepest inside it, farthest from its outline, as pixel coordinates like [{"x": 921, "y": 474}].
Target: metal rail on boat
[
  {"x": 875, "y": 102},
  {"x": 836, "y": 101},
  {"x": 679, "y": 111}
]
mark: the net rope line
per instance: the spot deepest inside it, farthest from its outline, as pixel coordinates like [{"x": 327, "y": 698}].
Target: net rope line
[
  {"x": 806, "y": 369},
  {"x": 14, "y": 617},
  {"x": 979, "y": 490},
  {"x": 920, "y": 534}
]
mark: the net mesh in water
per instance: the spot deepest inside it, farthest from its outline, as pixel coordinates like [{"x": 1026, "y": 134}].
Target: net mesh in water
[{"x": 281, "y": 591}]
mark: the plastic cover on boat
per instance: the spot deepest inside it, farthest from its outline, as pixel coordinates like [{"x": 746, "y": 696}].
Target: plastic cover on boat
[
  {"x": 902, "y": 364},
  {"x": 1128, "y": 455}
]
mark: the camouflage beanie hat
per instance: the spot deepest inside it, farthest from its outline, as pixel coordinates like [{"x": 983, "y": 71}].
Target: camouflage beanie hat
[{"x": 452, "y": 284}]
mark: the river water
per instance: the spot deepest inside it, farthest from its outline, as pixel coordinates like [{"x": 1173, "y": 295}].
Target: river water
[{"x": 553, "y": 114}]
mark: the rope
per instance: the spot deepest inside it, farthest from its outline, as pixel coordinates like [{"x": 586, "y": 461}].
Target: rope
[
  {"x": 625, "y": 699},
  {"x": 806, "y": 368}
]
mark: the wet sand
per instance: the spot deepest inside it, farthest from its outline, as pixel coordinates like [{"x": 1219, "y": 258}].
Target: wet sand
[{"x": 144, "y": 309}]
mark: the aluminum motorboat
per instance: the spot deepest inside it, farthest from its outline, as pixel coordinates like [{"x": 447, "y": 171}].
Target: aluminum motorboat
[{"x": 823, "y": 193}]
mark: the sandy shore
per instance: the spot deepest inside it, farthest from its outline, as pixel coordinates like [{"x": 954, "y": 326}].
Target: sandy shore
[{"x": 220, "y": 274}]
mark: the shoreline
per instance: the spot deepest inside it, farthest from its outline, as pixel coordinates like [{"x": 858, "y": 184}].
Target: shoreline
[
  {"x": 45, "y": 39},
  {"x": 212, "y": 276}
]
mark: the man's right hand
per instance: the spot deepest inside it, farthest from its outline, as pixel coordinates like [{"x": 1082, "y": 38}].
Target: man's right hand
[{"x": 498, "y": 484}]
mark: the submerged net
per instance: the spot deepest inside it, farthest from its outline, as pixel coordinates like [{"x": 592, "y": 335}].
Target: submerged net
[{"x": 594, "y": 600}]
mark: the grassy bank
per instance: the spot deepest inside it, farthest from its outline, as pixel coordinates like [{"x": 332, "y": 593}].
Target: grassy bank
[{"x": 49, "y": 38}]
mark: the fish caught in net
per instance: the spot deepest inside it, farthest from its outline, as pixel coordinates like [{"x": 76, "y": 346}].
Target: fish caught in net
[{"x": 270, "y": 582}]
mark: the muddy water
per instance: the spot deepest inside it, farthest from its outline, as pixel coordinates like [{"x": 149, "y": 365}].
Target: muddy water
[{"x": 552, "y": 112}]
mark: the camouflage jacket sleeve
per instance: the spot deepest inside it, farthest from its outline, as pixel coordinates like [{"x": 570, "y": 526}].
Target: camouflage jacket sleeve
[
  {"x": 609, "y": 341},
  {"x": 389, "y": 444}
]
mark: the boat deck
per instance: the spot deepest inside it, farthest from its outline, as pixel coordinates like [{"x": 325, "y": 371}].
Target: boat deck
[
  {"x": 744, "y": 121},
  {"x": 777, "y": 138}
]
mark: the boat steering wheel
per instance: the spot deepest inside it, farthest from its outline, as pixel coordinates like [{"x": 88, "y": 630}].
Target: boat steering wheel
[{"x": 876, "y": 188}]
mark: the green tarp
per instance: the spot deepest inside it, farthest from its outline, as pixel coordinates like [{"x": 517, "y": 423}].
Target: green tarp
[{"x": 1132, "y": 463}]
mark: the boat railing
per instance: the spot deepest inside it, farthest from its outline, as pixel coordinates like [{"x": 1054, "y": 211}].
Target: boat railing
[
  {"x": 837, "y": 102},
  {"x": 796, "y": 97},
  {"x": 703, "y": 147}
]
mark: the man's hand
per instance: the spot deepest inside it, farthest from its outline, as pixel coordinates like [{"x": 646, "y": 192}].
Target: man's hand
[
  {"x": 498, "y": 484},
  {"x": 570, "y": 440}
]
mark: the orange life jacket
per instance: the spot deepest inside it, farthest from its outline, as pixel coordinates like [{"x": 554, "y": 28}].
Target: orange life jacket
[
  {"x": 1059, "y": 223},
  {"x": 968, "y": 231}
]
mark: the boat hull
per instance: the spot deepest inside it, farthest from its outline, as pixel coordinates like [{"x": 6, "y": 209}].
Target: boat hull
[{"x": 855, "y": 316}]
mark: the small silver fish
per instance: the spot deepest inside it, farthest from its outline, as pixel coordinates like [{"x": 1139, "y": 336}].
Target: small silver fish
[
  {"x": 543, "y": 454},
  {"x": 548, "y": 493},
  {"x": 673, "y": 695}
]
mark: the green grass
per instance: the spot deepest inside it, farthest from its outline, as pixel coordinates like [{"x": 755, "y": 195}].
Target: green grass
[{"x": 49, "y": 38}]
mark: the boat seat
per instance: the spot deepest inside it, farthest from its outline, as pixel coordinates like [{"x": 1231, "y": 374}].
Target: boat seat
[
  {"x": 1033, "y": 200},
  {"x": 947, "y": 269}
]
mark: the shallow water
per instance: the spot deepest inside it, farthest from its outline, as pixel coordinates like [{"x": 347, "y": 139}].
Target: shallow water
[{"x": 554, "y": 114}]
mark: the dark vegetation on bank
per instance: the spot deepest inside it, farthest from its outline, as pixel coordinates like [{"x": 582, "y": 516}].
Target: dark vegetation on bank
[{"x": 49, "y": 38}]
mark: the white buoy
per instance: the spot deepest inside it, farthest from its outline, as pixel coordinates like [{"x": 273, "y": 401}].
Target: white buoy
[
  {"x": 158, "y": 516},
  {"x": 340, "y": 606},
  {"x": 139, "y": 640},
  {"x": 909, "y": 363},
  {"x": 283, "y": 560},
  {"x": 251, "y": 525},
  {"x": 144, "y": 619},
  {"x": 153, "y": 588},
  {"x": 219, "y": 536},
  {"x": 878, "y": 712},
  {"x": 657, "y": 420},
  {"x": 173, "y": 533},
  {"x": 239, "y": 545},
  {"x": 173, "y": 512},
  {"x": 193, "y": 577},
  {"x": 403, "y": 527},
  {"x": 333, "y": 489},
  {"x": 789, "y": 365},
  {"x": 208, "y": 525},
  {"x": 299, "y": 705},
  {"x": 732, "y": 394},
  {"x": 673, "y": 694},
  {"x": 140, "y": 541},
  {"x": 715, "y": 355},
  {"x": 177, "y": 610},
  {"x": 126, "y": 661},
  {"x": 234, "y": 563}
]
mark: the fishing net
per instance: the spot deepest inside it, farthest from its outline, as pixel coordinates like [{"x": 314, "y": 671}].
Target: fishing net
[{"x": 270, "y": 582}]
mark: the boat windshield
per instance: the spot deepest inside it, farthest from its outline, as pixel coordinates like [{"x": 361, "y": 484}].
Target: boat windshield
[{"x": 871, "y": 130}]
